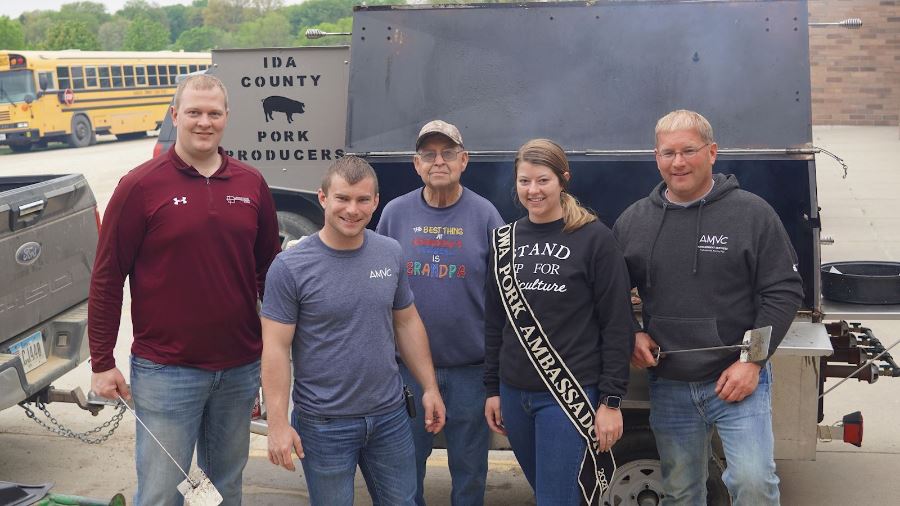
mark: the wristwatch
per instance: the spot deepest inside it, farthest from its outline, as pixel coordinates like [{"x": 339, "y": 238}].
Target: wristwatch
[{"x": 612, "y": 401}]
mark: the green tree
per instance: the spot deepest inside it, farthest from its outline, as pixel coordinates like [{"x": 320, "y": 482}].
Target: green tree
[
  {"x": 92, "y": 14},
  {"x": 146, "y": 34},
  {"x": 271, "y": 30},
  {"x": 225, "y": 14},
  {"x": 201, "y": 38},
  {"x": 112, "y": 34},
  {"x": 35, "y": 26},
  {"x": 341, "y": 25},
  {"x": 11, "y": 35},
  {"x": 266, "y": 6},
  {"x": 314, "y": 12},
  {"x": 135, "y": 9},
  {"x": 182, "y": 18},
  {"x": 71, "y": 35}
]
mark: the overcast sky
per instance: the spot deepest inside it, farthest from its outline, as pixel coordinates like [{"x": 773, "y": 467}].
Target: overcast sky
[{"x": 13, "y": 8}]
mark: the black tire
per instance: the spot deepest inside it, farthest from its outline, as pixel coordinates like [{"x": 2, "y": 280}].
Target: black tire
[
  {"x": 82, "y": 134},
  {"x": 131, "y": 135},
  {"x": 638, "y": 477},
  {"x": 292, "y": 226},
  {"x": 21, "y": 148}
]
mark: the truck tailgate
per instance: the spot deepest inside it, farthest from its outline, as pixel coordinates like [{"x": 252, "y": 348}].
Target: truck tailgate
[{"x": 48, "y": 240}]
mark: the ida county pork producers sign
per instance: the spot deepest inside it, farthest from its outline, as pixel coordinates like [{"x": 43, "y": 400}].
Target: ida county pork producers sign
[{"x": 288, "y": 109}]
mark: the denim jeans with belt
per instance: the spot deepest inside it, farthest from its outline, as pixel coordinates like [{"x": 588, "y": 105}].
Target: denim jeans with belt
[
  {"x": 682, "y": 416},
  {"x": 186, "y": 407},
  {"x": 466, "y": 431},
  {"x": 381, "y": 445},
  {"x": 546, "y": 444}
]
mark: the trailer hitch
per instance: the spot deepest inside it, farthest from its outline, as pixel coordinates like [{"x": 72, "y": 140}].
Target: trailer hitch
[{"x": 75, "y": 396}]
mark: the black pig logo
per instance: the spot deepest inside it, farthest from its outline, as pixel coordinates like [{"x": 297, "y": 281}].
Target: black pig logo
[{"x": 281, "y": 104}]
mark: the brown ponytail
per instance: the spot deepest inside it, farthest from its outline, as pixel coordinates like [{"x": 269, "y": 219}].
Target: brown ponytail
[{"x": 549, "y": 154}]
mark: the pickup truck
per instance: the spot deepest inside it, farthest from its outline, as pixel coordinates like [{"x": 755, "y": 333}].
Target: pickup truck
[{"x": 48, "y": 239}]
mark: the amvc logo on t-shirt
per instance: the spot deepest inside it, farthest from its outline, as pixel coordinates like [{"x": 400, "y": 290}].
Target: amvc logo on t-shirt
[
  {"x": 380, "y": 273},
  {"x": 713, "y": 243}
]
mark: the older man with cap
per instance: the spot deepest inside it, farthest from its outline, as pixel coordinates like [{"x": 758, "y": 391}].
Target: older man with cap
[{"x": 444, "y": 229}]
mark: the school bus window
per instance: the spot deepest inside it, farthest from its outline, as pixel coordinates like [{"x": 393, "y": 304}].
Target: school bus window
[
  {"x": 173, "y": 73},
  {"x": 78, "y": 78},
  {"x": 163, "y": 78},
  {"x": 90, "y": 77},
  {"x": 182, "y": 69},
  {"x": 151, "y": 75},
  {"x": 16, "y": 85},
  {"x": 141, "y": 77},
  {"x": 192, "y": 68},
  {"x": 63, "y": 73},
  {"x": 45, "y": 81},
  {"x": 116, "y": 76},
  {"x": 202, "y": 67},
  {"x": 129, "y": 75},
  {"x": 104, "y": 77}
]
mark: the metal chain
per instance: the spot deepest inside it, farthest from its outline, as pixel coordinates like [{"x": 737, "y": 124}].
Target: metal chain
[{"x": 92, "y": 436}]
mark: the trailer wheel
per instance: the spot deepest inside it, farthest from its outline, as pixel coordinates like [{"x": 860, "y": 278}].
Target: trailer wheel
[
  {"x": 82, "y": 134},
  {"x": 638, "y": 478},
  {"x": 292, "y": 226}
]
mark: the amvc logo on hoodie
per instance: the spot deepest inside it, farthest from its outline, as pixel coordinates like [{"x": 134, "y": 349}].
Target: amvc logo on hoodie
[{"x": 713, "y": 243}]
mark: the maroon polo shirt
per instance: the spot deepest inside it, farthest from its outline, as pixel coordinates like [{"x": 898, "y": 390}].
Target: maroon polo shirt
[{"x": 195, "y": 251}]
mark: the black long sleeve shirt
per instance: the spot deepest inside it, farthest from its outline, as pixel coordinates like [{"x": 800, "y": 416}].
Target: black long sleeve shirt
[{"x": 577, "y": 285}]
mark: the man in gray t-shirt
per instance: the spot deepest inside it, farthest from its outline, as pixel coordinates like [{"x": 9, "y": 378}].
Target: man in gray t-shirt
[
  {"x": 443, "y": 229},
  {"x": 339, "y": 304}
]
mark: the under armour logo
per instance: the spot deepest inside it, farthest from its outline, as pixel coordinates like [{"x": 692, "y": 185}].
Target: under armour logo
[{"x": 182, "y": 200}]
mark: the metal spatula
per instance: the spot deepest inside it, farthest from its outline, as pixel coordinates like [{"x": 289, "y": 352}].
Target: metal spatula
[
  {"x": 754, "y": 347},
  {"x": 197, "y": 488}
]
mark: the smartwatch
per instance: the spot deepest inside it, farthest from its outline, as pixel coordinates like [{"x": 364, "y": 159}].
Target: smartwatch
[{"x": 612, "y": 401}]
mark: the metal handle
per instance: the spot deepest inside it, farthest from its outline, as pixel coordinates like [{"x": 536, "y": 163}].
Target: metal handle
[
  {"x": 849, "y": 23},
  {"x": 315, "y": 33},
  {"x": 31, "y": 207}
]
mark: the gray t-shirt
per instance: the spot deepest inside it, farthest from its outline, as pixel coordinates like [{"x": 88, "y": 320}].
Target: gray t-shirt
[
  {"x": 342, "y": 303},
  {"x": 445, "y": 252}
]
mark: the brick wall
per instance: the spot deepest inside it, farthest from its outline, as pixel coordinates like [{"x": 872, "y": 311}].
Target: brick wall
[{"x": 855, "y": 73}]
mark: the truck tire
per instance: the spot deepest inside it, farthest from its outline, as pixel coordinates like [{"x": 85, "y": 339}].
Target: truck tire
[
  {"x": 21, "y": 148},
  {"x": 82, "y": 134},
  {"x": 131, "y": 135},
  {"x": 638, "y": 478},
  {"x": 292, "y": 226}
]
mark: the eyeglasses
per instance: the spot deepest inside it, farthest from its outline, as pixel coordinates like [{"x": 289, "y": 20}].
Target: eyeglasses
[
  {"x": 688, "y": 153},
  {"x": 448, "y": 155}
]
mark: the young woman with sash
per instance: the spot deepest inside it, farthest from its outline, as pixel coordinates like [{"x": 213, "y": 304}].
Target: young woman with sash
[{"x": 559, "y": 334}]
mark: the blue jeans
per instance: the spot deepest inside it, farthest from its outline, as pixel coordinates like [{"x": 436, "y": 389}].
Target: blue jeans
[
  {"x": 466, "y": 431},
  {"x": 381, "y": 445},
  {"x": 682, "y": 416},
  {"x": 187, "y": 407},
  {"x": 546, "y": 444}
]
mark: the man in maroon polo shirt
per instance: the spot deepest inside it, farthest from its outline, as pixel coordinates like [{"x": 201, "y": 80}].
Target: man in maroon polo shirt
[{"x": 194, "y": 231}]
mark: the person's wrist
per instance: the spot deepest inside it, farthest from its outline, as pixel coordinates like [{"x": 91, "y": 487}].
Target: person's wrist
[{"x": 613, "y": 402}]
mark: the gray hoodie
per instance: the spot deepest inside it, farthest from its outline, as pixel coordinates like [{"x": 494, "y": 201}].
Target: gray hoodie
[{"x": 708, "y": 272}]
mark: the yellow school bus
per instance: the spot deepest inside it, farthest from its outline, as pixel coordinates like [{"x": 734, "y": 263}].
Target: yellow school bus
[{"x": 71, "y": 96}]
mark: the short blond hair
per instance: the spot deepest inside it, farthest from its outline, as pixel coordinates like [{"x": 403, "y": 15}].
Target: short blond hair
[
  {"x": 199, "y": 82},
  {"x": 682, "y": 119}
]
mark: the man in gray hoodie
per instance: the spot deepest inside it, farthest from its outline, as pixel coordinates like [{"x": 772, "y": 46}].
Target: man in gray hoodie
[{"x": 710, "y": 261}]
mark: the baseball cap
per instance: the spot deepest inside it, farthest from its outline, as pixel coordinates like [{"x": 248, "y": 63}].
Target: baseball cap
[{"x": 439, "y": 127}]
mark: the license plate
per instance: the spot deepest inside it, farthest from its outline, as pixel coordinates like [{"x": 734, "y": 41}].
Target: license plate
[
  {"x": 30, "y": 350},
  {"x": 2, "y": 137}
]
